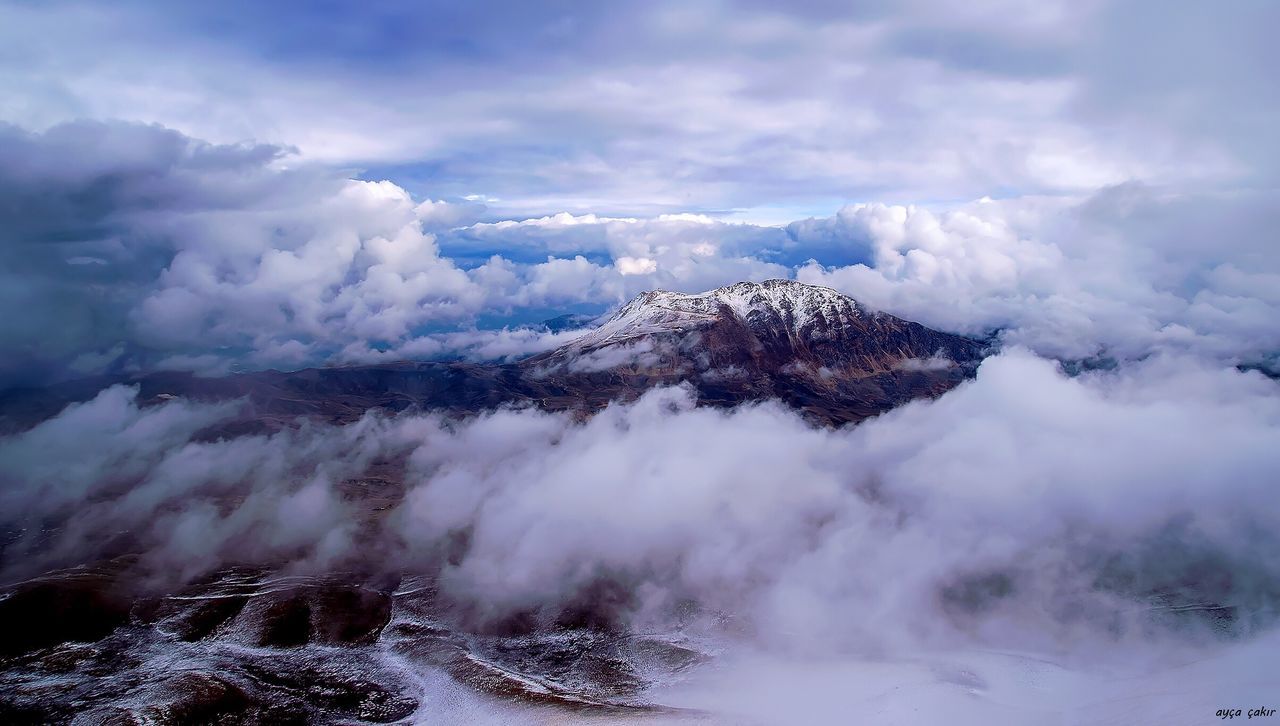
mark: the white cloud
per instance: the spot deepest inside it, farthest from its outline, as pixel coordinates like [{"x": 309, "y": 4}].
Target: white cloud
[
  {"x": 233, "y": 259},
  {"x": 636, "y": 265},
  {"x": 1124, "y": 272},
  {"x": 213, "y": 255}
]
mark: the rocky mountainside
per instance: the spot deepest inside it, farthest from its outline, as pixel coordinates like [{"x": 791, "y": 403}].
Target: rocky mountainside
[{"x": 771, "y": 327}]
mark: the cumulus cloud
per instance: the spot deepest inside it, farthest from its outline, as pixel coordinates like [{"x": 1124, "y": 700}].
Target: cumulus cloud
[
  {"x": 1114, "y": 521},
  {"x": 756, "y": 514},
  {"x": 134, "y": 248},
  {"x": 74, "y": 200},
  {"x": 1122, "y": 272},
  {"x": 637, "y": 355},
  {"x": 131, "y": 248},
  {"x": 636, "y": 265},
  {"x": 676, "y": 252},
  {"x": 199, "y": 250},
  {"x": 683, "y": 234}
]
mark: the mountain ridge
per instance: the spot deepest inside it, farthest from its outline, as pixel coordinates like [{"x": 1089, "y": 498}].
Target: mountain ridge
[
  {"x": 823, "y": 353},
  {"x": 766, "y": 327}
]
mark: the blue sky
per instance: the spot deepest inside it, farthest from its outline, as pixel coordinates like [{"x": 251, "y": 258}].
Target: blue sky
[{"x": 974, "y": 165}]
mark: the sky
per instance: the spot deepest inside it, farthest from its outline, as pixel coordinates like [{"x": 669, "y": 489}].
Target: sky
[{"x": 229, "y": 186}]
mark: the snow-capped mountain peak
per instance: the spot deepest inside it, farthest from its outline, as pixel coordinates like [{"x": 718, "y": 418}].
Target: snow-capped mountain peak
[
  {"x": 798, "y": 306},
  {"x": 760, "y": 334}
]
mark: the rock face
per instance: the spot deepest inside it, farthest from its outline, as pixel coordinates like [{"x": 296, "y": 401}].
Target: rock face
[
  {"x": 52, "y": 610},
  {"x": 249, "y": 646},
  {"x": 92, "y": 645}
]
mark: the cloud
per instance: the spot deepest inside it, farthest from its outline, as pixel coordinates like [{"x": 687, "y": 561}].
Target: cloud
[
  {"x": 1123, "y": 271},
  {"x": 936, "y": 362},
  {"x": 671, "y": 236},
  {"x": 316, "y": 191},
  {"x": 640, "y": 355},
  {"x": 651, "y": 108},
  {"x": 1126, "y": 271},
  {"x": 154, "y": 478},
  {"x": 904, "y": 548},
  {"x": 973, "y": 519},
  {"x": 200, "y": 250},
  {"x": 756, "y": 514},
  {"x": 354, "y": 265},
  {"x": 135, "y": 248},
  {"x": 131, "y": 248},
  {"x": 504, "y": 344},
  {"x": 636, "y": 265},
  {"x": 84, "y": 213}
]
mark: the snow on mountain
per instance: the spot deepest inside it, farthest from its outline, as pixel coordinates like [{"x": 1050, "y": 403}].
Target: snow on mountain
[
  {"x": 797, "y": 305},
  {"x": 758, "y": 331}
]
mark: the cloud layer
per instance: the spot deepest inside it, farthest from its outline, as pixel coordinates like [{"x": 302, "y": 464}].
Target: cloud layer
[
  {"x": 665, "y": 107},
  {"x": 1124, "y": 272},
  {"x": 974, "y": 519},
  {"x": 133, "y": 248}
]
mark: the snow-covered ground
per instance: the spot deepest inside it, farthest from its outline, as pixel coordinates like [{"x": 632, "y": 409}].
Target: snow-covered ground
[
  {"x": 663, "y": 311},
  {"x": 1168, "y": 686},
  {"x": 987, "y": 687}
]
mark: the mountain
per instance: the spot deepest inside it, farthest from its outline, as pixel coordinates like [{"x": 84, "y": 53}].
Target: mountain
[
  {"x": 771, "y": 327},
  {"x": 823, "y": 353},
  {"x": 812, "y": 347}
]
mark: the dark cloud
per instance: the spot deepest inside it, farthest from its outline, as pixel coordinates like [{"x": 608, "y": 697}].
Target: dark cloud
[{"x": 85, "y": 210}]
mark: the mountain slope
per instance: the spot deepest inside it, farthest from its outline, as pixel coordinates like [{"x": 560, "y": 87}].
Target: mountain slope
[{"x": 772, "y": 327}]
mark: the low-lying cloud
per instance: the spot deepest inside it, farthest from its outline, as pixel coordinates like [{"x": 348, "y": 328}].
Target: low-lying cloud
[{"x": 1025, "y": 509}]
